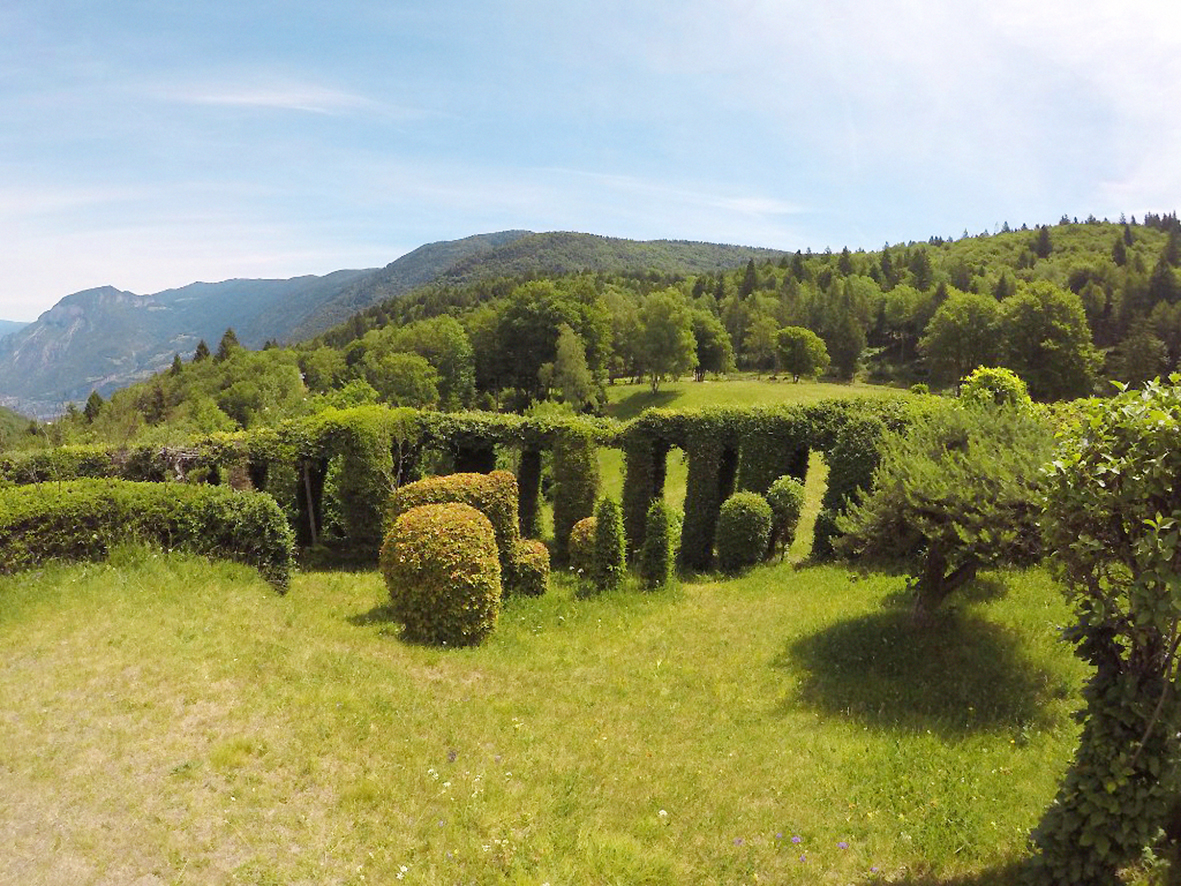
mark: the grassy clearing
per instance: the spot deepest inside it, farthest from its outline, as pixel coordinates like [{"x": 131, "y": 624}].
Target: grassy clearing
[
  {"x": 175, "y": 721},
  {"x": 627, "y": 400}
]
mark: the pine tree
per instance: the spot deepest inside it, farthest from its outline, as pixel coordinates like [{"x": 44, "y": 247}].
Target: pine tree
[
  {"x": 750, "y": 280},
  {"x": 202, "y": 351},
  {"x": 227, "y": 345},
  {"x": 94, "y": 405},
  {"x": 177, "y": 366}
]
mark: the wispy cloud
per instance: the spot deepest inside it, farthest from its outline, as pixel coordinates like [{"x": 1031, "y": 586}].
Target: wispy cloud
[{"x": 293, "y": 97}]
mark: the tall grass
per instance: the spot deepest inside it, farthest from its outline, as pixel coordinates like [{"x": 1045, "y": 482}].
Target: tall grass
[{"x": 164, "y": 717}]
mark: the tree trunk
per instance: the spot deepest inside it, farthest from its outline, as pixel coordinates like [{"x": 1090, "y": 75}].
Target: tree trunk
[{"x": 936, "y": 583}]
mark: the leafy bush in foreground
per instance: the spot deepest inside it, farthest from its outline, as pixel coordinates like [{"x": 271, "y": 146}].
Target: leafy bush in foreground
[
  {"x": 744, "y": 530},
  {"x": 442, "y": 570},
  {"x": 82, "y": 519},
  {"x": 1113, "y": 520}
]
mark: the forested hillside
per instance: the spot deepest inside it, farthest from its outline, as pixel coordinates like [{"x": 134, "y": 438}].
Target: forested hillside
[{"x": 1067, "y": 306}]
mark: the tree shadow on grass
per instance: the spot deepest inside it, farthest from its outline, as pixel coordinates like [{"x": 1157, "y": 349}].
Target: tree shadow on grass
[
  {"x": 1002, "y": 875},
  {"x": 633, "y": 404},
  {"x": 956, "y": 674}
]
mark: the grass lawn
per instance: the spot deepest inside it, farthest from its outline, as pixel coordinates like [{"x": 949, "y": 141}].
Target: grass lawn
[
  {"x": 164, "y": 720},
  {"x": 627, "y": 400}
]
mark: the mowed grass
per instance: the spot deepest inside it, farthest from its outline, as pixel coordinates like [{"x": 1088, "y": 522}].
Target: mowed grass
[
  {"x": 165, "y": 720},
  {"x": 629, "y": 400}
]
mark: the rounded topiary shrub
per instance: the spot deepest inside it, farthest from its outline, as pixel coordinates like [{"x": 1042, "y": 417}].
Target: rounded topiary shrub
[
  {"x": 656, "y": 555},
  {"x": 744, "y": 530},
  {"x": 610, "y": 560},
  {"x": 442, "y": 570},
  {"x": 530, "y": 568},
  {"x": 786, "y": 498},
  {"x": 582, "y": 546},
  {"x": 494, "y": 495}
]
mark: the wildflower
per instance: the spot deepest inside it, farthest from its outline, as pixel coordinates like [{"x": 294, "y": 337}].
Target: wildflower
[
  {"x": 797, "y": 839},
  {"x": 737, "y": 841},
  {"x": 842, "y": 845},
  {"x": 803, "y": 858}
]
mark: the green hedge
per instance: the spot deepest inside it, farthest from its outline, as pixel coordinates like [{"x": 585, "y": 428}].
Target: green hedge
[
  {"x": 442, "y": 570},
  {"x": 81, "y": 519},
  {"x": 576, "y": 484}
]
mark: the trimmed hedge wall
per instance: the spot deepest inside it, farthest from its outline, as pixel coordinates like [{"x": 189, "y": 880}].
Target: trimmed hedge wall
[
  {"x": 81, "y": 519},
  {"x": 357, "y": 456}
]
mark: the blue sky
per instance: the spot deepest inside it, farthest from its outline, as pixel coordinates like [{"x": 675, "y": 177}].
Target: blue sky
[{"x": 150, "y": 143}]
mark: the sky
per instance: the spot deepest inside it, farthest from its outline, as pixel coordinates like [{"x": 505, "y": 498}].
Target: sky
[{"x": 147, "y": 144}]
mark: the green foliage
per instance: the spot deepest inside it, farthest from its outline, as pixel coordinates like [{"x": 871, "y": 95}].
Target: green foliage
[
  {"x": 530, "y": 568},
  {"x": 743, "y": 531},
  {"x": 1113, "y": 521},
  {"x": 963, "y": 333},
  {"x": 82, "y": 519},
  {"x": 1047, "y": 341},
  {"x": 494, "y": 495},
  {"x": 996, "y": 386},
  {"x": 576, "y": 484},
  {"x": 958, "y": 490},
  {"x": 656, "y": 556},
  {"x": 786, "y": 498},
  {"x": 801, "y": 352},
  {"x": 581, "y": 554},
  {"x": 441, "y": 567},
  {"x": 667, "y": 348},
  {"x": 715, "y": 351},
  {"x": 610, "y": 559}
]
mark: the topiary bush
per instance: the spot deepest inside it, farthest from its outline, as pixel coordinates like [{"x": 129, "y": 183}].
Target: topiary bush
[
  {"x": 744, "y": 530},
  {"x": 442, "y": 569},
  {"x": 786, "y": 498},
  {"x": 610, "y": 560},
  {"x": 494, "y": 495},
  {"x": 582, "y": 546},
  {"x": 81, "y": 519},
  {"x": 531, "y": 568},
  {"x": 656, "y": 556}
]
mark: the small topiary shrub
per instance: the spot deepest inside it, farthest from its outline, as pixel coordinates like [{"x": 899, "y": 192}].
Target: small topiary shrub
[
  {"x": 531, "y": 568},
  {"x": 493, "y": 495},
  {"x": 786, "y": 498},
  {"x": 994, "y": 386},
  {"x": 656, "y": 556},
  {"x": 442, "y": 570},
  {"x": 744, "y": 530},
  {"x": 610, "y": 559},
  {"x": 582, "y": 546},
  {"x": 82, "y": 519}
]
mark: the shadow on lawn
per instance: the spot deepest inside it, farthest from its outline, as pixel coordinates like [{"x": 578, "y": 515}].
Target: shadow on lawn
[
  {"x": 1003, "y": 875},
  {"x": 382, "y": 614},
  {"x": 633, "y": 404},
  {"x": 958, "y": 674}
]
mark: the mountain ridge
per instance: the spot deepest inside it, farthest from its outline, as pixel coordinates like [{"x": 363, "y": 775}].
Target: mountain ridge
[{"x": 105, "y": 338}]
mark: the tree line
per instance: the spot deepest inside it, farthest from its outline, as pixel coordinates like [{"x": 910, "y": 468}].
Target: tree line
[{"x": 1066, "y": 307}]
